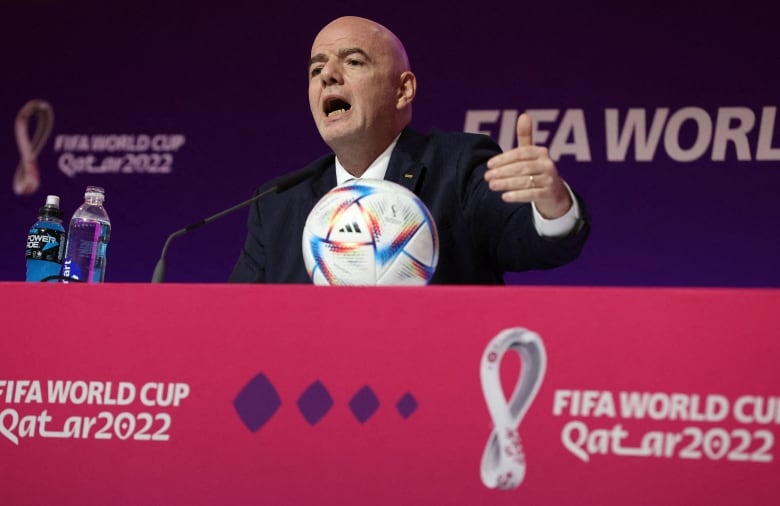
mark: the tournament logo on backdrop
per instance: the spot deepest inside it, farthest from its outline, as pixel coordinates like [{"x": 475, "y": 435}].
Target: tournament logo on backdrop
[
  {"x": 503, "y": 461},
  {"x": 89, "y": 410},
  {"x": 684, "y": 135},
  {"x": 27, "y": 177},
  {"x": 143, "y": 153},
  {"x": 117, "y": 153},
  {"x": 621, "y": 424}
]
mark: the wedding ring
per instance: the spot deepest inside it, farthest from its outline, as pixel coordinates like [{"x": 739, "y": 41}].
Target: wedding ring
[{"x": 531, "y": 182}]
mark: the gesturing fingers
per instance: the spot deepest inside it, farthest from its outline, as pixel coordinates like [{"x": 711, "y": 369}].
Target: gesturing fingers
[
  {"x": 524, "y": 131},
  {"x": 520, "y": 187},
  {"x": 519, "y": 169},
  {"x": 525, "y": 150},
  {"x": 525, "y": 173}
]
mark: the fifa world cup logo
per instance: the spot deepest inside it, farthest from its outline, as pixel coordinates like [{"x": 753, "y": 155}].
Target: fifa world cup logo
[
  {"x": 27, "y": 177},
  {"x": 503, "y": 461}
]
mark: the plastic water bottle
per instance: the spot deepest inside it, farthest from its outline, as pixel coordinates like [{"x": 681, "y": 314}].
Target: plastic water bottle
[
  {"x": 88, "y": 236},
  {"x": 46, "y": 243}
]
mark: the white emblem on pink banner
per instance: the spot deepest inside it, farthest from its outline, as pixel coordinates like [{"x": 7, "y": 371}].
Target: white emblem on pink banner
[
  {"x": 503, "y": 461},
  {"x": 27, "y": 177}
]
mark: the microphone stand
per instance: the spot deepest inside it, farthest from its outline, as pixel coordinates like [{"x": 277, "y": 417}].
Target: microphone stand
[{"x": 283, "y": 183}]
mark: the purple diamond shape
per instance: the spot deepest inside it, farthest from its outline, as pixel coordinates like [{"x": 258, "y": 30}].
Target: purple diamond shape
[
  {"x": 406, "y": 405},
  {"x": 364, "y": 404},
  {"x": 315, "y": 402},
  {"x": 257, "y": 402}
]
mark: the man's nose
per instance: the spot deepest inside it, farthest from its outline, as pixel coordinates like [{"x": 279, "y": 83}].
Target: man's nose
[{"x": 330, "y": 74}]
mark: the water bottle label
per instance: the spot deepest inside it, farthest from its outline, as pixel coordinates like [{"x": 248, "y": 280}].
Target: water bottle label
[
  {"x": 45, "y": 244},
  {"x": 71, "y": 270},
  {"x": 85, "y": 259}
]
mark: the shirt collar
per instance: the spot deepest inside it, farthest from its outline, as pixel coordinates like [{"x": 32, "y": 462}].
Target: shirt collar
[{"x": 376, "y": 170}]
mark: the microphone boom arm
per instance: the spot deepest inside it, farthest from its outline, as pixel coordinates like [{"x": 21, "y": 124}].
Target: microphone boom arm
[{"x": 281, "y": 185}]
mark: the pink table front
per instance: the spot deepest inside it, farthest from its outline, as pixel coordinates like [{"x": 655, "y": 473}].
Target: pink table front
[{"x": 129, "y": 394}]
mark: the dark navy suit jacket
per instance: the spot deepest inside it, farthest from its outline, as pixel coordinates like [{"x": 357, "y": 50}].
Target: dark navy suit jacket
[{"x": 480, "y": 236}]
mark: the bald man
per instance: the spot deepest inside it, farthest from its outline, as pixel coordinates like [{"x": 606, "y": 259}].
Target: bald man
[{"x": 495, "y": 212}]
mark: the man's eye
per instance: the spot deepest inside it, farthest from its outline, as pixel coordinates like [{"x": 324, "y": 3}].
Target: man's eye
[
  {"x": 316, "y": 71},
  {"x": 355, "y": 63}
]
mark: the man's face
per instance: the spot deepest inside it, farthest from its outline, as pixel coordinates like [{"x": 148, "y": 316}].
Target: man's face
[{"x": 354, "y": 76}]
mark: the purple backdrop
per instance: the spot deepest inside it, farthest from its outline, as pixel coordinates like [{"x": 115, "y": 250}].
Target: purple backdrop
[{"x": 696, "y": 206}]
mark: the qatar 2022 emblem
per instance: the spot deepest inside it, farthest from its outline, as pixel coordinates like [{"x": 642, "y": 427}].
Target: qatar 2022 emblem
[
  {"x": 27, "y": 177},
  {"x": 503, "y": 461}
]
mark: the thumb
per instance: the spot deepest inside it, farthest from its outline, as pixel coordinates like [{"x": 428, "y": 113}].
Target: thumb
[{"x": 524, "y": 130}]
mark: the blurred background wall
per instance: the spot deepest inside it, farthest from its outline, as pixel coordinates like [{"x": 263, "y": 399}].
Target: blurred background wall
[{"x": 664, "y": 117}]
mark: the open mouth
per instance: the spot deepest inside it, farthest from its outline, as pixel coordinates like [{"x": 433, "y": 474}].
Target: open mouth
[{"x": 336, "y": 106}]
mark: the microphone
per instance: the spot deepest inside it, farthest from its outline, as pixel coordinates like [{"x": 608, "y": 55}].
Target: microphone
[{"x": 283, "y": 183}]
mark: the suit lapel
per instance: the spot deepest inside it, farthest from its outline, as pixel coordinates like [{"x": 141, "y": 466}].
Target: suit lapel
[
  {"x": 404, "y": 168},
  {"x": 326, "y": 180}
]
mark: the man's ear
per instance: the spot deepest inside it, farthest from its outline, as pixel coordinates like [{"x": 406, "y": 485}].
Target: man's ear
[{"x": 407, "y": 89}]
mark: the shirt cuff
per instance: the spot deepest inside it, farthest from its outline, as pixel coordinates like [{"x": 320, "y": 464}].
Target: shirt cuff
[{"x": 558, "y": 227}]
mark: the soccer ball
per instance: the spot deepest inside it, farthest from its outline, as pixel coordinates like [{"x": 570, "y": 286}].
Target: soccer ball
[{"x": 370, "y": 232}]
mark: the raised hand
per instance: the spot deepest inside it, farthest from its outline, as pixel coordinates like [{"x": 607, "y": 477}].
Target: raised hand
[{"x": 528, "y": 174}]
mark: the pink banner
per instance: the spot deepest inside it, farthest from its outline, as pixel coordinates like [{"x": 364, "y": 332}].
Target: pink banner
[{"x": 214, "y": 394}]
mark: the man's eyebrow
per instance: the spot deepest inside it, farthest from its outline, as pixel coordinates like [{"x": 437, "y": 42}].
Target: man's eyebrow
[
  {"x": 317, "y": 58},
  {"x": 343, "y": 53}
]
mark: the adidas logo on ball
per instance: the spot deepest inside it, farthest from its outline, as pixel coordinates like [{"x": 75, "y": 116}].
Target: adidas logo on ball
[{"x": 353, "y": 227}]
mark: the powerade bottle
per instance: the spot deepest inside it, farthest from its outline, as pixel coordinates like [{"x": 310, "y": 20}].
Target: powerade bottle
[
  {"x": 46, "y": 243},
  {"x": 88, "y": 235}
]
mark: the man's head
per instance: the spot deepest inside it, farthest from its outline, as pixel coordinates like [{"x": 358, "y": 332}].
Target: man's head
[{"x": 360, "y": 87}]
